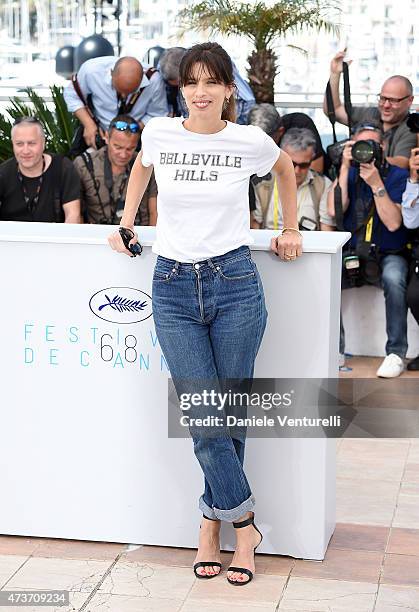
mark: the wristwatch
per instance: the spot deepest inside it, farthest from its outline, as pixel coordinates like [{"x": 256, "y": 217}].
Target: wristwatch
[{"x": 380, "y": 192}]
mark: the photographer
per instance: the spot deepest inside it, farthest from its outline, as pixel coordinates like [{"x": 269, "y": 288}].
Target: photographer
[
  {"x": 104, "y": 176},
  {"x": 312, "y": 188},
  {"x": 108, "y": 86},
  {"x": 392, "y": 112},
  {"x": 369, "y": 194},
  {"x": 410, "y": 212}
]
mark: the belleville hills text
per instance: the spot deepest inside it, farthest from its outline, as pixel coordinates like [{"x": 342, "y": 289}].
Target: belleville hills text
[{"x": 210, "y": 160}]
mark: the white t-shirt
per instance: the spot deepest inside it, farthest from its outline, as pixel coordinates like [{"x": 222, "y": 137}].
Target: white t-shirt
[{"x": 203, "y": 184}]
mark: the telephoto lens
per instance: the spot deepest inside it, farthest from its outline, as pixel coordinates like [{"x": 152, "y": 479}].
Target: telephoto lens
[
  {"x": 363, "y": 152},
  {"x": 366, "y": 151}
]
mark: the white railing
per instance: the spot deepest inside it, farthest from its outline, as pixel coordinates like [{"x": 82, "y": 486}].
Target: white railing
[{"x": 282, "y": 99}]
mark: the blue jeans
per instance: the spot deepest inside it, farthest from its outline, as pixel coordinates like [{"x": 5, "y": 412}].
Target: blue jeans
[
  {"x": 394, "y": 272},
  {"x": 210, "y": 317}
]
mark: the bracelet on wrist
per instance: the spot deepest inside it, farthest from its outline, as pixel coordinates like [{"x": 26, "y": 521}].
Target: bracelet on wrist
[{"x": 291, "y": 229}]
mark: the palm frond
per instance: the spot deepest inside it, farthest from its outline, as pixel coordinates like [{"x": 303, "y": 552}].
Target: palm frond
[
  {"x": 58, "y": 123},
  {"x": 258, "y": 22},
  {"x": 66, "y": 122},
  {"x": 263, "y": 25}
]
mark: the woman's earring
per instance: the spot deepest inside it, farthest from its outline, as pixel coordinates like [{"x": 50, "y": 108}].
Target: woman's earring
[{"x": 225, "y": 103}]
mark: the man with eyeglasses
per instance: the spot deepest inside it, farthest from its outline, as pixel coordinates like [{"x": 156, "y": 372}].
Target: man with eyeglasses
[
  {"x": 391, "y": 112},
  {"x": 312, "y": 188},
  {"x": 104, "y": 176},
  {"x": 369, "y": 201}
]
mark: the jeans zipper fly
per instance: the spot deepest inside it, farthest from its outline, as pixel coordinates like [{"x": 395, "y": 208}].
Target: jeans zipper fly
[{"x": 199, "y": 287}]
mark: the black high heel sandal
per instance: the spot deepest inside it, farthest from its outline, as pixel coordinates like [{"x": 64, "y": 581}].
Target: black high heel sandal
[
  {"x": 207, "y": 563},
  {"x": 244, "y": 570}
]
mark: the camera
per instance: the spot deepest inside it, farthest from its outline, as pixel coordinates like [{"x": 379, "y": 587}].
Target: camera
[
  {"x": 307, "y": 224},
  {"x": 366, "y": 151},
  {"x": 413, "y": 122},
  {"x": 351, "y": 265},
  {"x": 335, "y": 150},
  {"x": 362, "y": 265}
]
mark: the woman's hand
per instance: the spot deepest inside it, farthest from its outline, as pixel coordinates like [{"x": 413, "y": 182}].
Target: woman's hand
[
  {"x": 116, "y": 243},
  {"x": 288, "y": 246}
]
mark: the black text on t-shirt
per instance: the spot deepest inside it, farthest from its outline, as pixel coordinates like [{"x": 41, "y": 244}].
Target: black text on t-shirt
[{"x": 198, "y": 159}]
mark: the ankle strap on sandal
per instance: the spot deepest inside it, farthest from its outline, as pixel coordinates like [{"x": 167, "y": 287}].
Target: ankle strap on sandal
[{"x": 245, "y": 523}]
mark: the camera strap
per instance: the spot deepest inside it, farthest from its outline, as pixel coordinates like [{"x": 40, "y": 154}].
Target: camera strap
[
  {"x": 363, "y": 218},
  {"x": 338, "y": 206},
  {"x": 346, "y": 101},
  {"x": 331, "y": 110},
  {"x": 110, "y": 184},
  {"x": 88, "y": 102},
  {"x": 57, "y": 167},
  {"x": 88, "y": 162},
  {"x": 360, "y": 221},
  {"x": 125, "y": 106},
  {"x": 347, "y": 95}
]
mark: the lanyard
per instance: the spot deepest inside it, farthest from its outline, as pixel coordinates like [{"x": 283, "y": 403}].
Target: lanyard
[
  {"x": 276, "y": 205},
  {"x": 31, "y": 202},
  {"x": 114, "y": 205},
  {"x": 368, "y": 229}
]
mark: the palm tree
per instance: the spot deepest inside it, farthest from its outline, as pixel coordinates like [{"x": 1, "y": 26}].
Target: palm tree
[
  {"x": 59, "y": 124},
  {"x": 262, "y": 25}
]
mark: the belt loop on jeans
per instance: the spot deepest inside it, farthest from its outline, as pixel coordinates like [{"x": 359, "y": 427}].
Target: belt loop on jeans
[{"x": 211, "y": 265}]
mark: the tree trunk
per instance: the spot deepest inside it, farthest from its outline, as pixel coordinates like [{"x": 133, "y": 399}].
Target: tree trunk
[{"x": 261, "y": 75}]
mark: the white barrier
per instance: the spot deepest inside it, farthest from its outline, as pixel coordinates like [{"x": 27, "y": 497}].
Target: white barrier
[
  {"x": 365, "y": 323},
  {"x": 85, "y": 452}
]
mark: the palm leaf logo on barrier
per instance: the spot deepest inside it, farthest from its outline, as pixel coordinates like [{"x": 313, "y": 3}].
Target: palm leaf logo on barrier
[{"x": 123, "y": 304}]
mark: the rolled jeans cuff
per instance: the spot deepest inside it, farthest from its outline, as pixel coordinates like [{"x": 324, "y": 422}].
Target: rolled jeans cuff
[
  {"x": 206, "y": 510},
  {"x": 228, "y": 515}
]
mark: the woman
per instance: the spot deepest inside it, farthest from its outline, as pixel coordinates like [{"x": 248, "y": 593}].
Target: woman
[{"x": 208, "y": 302}]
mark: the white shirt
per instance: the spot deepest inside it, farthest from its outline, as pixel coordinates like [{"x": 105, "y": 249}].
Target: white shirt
[
  {"x": 410, "y": 205},
  {"x": 306, "y": 207},
  {"x": 94, "y": 77},
  {"x": 203, "y": 184}
]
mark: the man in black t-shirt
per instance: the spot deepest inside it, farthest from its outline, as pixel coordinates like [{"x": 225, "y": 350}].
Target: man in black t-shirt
[{"x": 36, "y": 186}]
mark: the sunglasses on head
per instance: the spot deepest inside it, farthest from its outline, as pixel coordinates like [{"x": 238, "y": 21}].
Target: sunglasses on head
[
  {"x": 303, "y": 165},
  {"x": 122, "y": 126}
]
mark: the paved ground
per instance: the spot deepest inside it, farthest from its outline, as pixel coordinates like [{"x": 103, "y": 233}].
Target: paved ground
[{"x": 372, "y": 564}]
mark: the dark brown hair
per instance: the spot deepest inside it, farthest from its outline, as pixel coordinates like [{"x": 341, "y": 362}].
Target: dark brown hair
[{"x": 217, "y": 63}]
